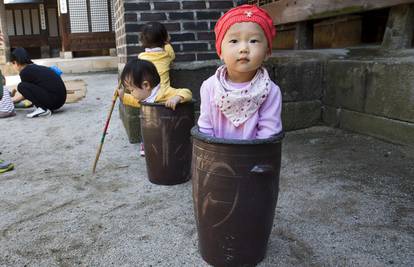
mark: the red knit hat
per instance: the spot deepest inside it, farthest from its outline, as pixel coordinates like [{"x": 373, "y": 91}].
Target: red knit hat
[{"x": 244, "y": 13}]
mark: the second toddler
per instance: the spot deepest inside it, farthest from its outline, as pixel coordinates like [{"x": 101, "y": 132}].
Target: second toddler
[
  {"x": 6, "y": 103},
  {"x": 142, "y": 83}
]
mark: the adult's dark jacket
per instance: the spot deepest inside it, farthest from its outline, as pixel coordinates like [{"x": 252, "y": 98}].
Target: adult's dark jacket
[{"x": 45, "y": 79}]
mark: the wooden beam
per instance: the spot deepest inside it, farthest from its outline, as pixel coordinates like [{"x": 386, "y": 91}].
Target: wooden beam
[
  {"x": 400, "y": 27},
  {"x": 304, "y": 35},
  {"x": 289, "y": 11}
]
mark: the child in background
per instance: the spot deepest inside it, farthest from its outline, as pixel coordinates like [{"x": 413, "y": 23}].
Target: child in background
[
  {"x": 4, "y": 166},
  {"x": 6, "y": 102},
  {"x": 155, "y": 41},
  {"x": 240, "y": 101},
  {"x": 142, "y": 83}
]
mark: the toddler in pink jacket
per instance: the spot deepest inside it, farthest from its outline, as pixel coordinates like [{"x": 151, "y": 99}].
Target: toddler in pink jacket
[{"x": 240, "y": 101}]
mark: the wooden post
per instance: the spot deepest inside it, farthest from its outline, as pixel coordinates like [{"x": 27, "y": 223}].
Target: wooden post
[
  {"x": 64, "y": 26},
  {"x": 304, "y": 35},
  {"x": 5, "y": 48},
  {"x": 400, "y": 26},
  {"x": 44, "y": 31}
]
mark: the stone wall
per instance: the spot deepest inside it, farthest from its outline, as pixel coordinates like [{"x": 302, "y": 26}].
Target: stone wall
[
  {"x": 369, "y": 91},
  {"x": 301, "y": 82},
  {"x": 372, "y": 92}
]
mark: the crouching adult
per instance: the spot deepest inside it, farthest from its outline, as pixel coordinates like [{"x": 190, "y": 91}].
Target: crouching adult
[{"x": 39, "y": 84}]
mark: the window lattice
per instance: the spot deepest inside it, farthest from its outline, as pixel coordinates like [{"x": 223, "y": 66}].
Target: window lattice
[
  {"x": 36, "y": 22},
  {"x": 53, "y": 23},
  {"x": 97, "y": 20},
  {"x": 19, "y": 21},
  {"x": 113, "y": 14},
  {"x": 26, "y": 22},
  {"x": 99, "y": 15},
  {"x": 10, "y": 23},
  {"x": 78, "y": 16}
]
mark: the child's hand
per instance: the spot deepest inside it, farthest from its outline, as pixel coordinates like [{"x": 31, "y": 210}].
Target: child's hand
[
  {"x": 13, "y": 91},
  {"x": 135, "y": 93},
  {"x": 121, "y": 93},
  {"x": 168, "y": 39},
  {"x": 173, "y": 101}
]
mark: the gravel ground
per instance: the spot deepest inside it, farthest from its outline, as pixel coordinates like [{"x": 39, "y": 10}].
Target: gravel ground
[{"x": 345, "y": 199}]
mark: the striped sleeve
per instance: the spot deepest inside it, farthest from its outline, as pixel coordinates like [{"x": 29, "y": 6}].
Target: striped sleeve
[{"x": 6, "y": 103}]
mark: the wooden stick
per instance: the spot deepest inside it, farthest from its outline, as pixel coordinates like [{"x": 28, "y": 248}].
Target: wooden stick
[{"x": 98, "y": 153}]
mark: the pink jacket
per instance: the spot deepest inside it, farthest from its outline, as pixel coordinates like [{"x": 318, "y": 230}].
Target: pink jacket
[{"x": 265, "y": 122}]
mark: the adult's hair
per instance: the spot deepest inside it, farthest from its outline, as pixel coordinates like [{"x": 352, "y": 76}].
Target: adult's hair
[
  {"x": 154, "y": 34},
  {"x": 20, "y": 56},
  {"x": 139, "y": 71}
]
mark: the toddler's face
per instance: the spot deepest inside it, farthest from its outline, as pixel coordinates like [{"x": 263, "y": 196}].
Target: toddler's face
[
  {"x": 244, "y": 48},
  {"x": 139, "y": 93}
]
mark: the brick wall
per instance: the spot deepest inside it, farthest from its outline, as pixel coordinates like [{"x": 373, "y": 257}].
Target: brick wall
[
  {"x": 120, "y": 35},
  {"x": 189, "y": 22}
]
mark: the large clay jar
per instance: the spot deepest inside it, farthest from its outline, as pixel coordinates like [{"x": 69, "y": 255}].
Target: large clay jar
[
  {"x": 130, "y": 119},
  {"x": 235, "y": 190},
  {"x": 167, "y": 142}
]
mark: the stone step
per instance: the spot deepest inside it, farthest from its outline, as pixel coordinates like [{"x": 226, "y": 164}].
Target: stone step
[{"x": 73, "y": 65}]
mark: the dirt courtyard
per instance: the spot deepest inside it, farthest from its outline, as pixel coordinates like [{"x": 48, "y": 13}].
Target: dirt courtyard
[{"x": 345, "y": 199}]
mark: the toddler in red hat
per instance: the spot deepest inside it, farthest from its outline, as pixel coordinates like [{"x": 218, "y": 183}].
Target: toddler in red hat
[{"x": 240, "y": 101}]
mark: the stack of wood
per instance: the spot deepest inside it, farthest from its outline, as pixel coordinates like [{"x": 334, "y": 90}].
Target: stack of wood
[{"x": 76, "y": 90}]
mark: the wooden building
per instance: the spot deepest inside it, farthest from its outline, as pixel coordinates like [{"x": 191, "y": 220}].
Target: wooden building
[
  {"x": 305, "y": 24},
  {"x": 49, "y": 28}
]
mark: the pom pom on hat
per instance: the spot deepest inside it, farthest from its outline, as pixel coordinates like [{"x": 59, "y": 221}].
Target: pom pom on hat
[{"x": 244, "y": 13}]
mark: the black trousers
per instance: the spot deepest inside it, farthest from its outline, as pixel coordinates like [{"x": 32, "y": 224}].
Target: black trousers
[{"x": 40, "y": 97}]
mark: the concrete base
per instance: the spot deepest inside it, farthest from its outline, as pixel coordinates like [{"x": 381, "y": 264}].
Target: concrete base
[
  {"x": 112, "y": 52},
  {"x": 81, "y": 65},
  {"x": 400, "y": 132},
  {"x": 66, "y": 55},
  {"x": 75, "y": 65}
]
